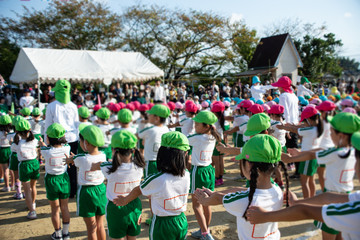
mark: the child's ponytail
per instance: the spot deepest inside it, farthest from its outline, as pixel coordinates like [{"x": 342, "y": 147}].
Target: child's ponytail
[
  {"x": 138, "y": 159},
  {"x": 214, "y": 133},
  {"x": 19, "y": 134},
  {"x": 287, "y": 182},
  {"x": 319, "y": 124},
  {"x": 253, "y": 182}
]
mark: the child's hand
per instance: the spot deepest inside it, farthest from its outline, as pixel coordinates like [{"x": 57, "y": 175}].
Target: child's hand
[
  {"x": 120, "y": 201},
  {"x": 293, "y": 151},
  {"x": 292, "y": 198},
  {"x": 222, "y": 148},
  {"x": 201, "y": 196},
  {"x": 95, "y": 166},
  {"x": 286, "y": 158},
  {"x": 256, "y": 215},
  {"x": 69, "y": 159}
]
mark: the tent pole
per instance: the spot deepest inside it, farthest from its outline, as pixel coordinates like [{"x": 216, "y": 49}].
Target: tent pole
[{"x": 39, "y": 84}]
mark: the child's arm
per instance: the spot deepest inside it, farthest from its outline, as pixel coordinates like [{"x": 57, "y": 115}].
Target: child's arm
[
  {"x": 324, "y": 198},
  {"x": 299, "y": 212},
  {"x": 229, "y": 118},
  {"x": 209, "y": 198},
  {"x": 228, "y": 150},
  {"x": 297, "y": 156},
  {"x": 177, "y": 124},
  {"x": 95, "y": 166},
  {"x": 231, "y": 131},
  {"x": 122, "y": 201},
  {"x": 41, "y": 142},
  {"x": 289, "y": 127},
  {"x": 69, "y": 159}
]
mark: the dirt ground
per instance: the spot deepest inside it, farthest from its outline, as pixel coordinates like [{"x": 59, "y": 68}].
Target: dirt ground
[{"x": 15, "y": 225}]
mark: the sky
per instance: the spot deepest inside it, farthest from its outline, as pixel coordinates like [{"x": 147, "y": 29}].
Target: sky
[{"x": 342, "y": 17}]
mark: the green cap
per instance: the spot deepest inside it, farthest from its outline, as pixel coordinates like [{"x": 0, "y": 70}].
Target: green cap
[
  {"x": 123, "y": 139},
  {"x": 84, "y": 112},
  {"x": 159, "y": 110},
  {"x": 5, "y": 120},
  {"x": 103, "y": 113},
  {"x": 307, "y": 97},
  {"x": 22, "y": 125},
  {"x": 355, "y": 140},
  {"x": 175, "y": 140},
  {"x": 206, "y": 117},
  {"x": 124, "y": 115},
  {"x": 304, "y": 80},
  {"x": 261, "y": 148},
  {"x": 93, "y": 135},
  {"x": 82, "y": 126},
  {"x": 25, "y": 111},
  {"x": 337, "y": 96},
  {"x": 345, "y": 122},
  {"x": 44, "y": 111},
  {"x": 55, "y": 130},
  {"x": 16, "y": 119},
  {"x": 62, "y": 91},
  {"x": 257, "y": 123},
  {"x": 36, "y": 112}
]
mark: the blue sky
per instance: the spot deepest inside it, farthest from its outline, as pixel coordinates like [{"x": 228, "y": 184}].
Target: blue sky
[{"x": 342, "y": 17}]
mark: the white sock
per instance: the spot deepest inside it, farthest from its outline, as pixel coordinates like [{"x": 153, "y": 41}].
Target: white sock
[
  {"x": 58, "y": 233},
  {"x": 66, "y": 228},
  {"x": 34, "y": 206}
]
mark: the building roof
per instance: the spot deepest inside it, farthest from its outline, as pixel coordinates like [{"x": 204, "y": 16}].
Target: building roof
[{"x": 268, "y": 51}]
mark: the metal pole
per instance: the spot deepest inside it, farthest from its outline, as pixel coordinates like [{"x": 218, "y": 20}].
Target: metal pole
[{"x": 39, "y": 84}]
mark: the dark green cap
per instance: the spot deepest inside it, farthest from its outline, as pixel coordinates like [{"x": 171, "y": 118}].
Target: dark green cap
[
  {"x": 123, "y": 139},
  {"x": 345, "y": 122},
  {"x": 5, "y": 120},
  {"x": 84, "y": 112},
  {"x": 93, "y": 135},
  {"x": 103, "y": 113},
  {"x": 55, "y": 130},
  {"x": 257, "y": 123},
  {"x": 159, "y": 110},
  {"x": 206, "y": 117},
  {"x": 124, "y": 115},
  {"x": 304, "y": 80},
  {"x": 261, "y": 148},
  {"x": 175, "y": 140}
]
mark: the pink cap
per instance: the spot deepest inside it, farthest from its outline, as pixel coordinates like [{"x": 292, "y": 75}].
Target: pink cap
[
  {"x": 265, "y": 107},
  {"x": 205, "y": 104},
  {"x": 97, "y": 107},
  {"x": 136, "y": 104},
  {"x": 122, "y": 105},
  {"x": 179, "y": 105},
  {"x": 143, "y": 107},
  {"x": 198, "y": 105},
  {"x": 283, "y": 82},
  {"x": 350, "y": 110},
  {"x": 270, "y": 103},
  {"x": 316, "y": 101},
  {"x": 347, "y": 103},
  {"x": 256, "y": 108},
  {"x": 227, "y": 103},
  {"x": 130, "y": 106},
  {"x": 246, "y": 104},
  {"x": 308, "y": 113},
  {"x": 171, "y": 106},
  {"x": 109, "y": 105},
  {"x": 311, "y": 105},
  {"x": 115, "y": 108},
  {"x": 217, "y": 107},
  {"x": 150, "y": 105},
  {"x": 79, "y": 106},
  {"x": 326, "y": 106},
  {"x": 191, "y": 107},
  {"x": 276, "y": 109}
]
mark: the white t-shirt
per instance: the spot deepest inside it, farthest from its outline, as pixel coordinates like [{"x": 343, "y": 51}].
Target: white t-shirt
[
  {"x": 302, "y": 91},
  {"x": 203, "y": 147},
  {"x": 187, "y": 126},
  {"x": 326, "y": 141},
  {"x": 55, "y": 160},
  {"x": 344, "y": 217},
  {"x": 84, "y": 162},
  {"x": 269, "y": 199},
  {"x": 25, "y": 150},
  {"x": 104, "y": 129},
  {"x": 159, "y": 94},
  {"x": 25, "y": 102},
  {"x": 130, "y": 129},
  {"x": 309, "y": 138},
  {"x": 242, "y": 130},
  {"x": 339, "y": 171},
  {"x": 279, "y": 134},
  {"x": 152, "y": 138},
  {"x": 66, "y": 115},
  {"x": 113, "y": 120},
  {"x": 258, "y": 91},
  {"x": 142, "y": 125},
  {"x": 168, "y": 193},
  {"x": 227, "y": 113},
  {"x": 121, "y": 182},
  {"x": 219, "y": 129},
  {"x": 240, "y": 120},
  {"x": 290, "y": 103},
  {"x": 4, "y": 140},
  {"x": 37, "y": 127},
  {"x": 10, "y": 137}
]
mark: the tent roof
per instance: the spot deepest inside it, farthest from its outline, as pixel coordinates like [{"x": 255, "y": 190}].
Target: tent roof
[{"x": 50, "y": 65}]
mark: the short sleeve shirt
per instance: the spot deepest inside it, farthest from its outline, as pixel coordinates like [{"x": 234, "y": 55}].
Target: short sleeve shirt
[
  {"x": 104, "y": 129},
  {"x": 152, "y": 137},
  {"x": 4, "y": 141},
  {"x": 309, "y": 138},
  {"x": 84, "y": 163},
  {"x": 279, "y": 134},
  {"x": 36, "y": 127},
  {"x": 25, "y": 150},
  {"x": 55, "y": 160},
  {"x": 203, "y": 147},
  {"x": 187, "y": 126}
]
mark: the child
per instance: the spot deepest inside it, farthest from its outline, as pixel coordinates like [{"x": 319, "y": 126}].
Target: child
[
  {"x": 125, "y": 119},
  {"x": 103, "y": 115},
  {"x": 25, "y": 146},
  {"x": 142, "y": 123},
  {"x": 168, "y": 189},
  {"x": 187, "y": 124},
  {"x": 5, "y": 151},
  {"x": 57, "y": 181},
  {"x": 84, "y": 115},
  {"x": 339, "y": 161},
  {"x": 123, "y": 175},
  {"x": 202, "y": 172},
  {"x": 114, "y": 108},
  {"x": 258, "y": 158},
  {"x": 36, "y": 123},
  {"x": 91, "y": 194},
  {"x": 26, "y": 112},
  {"x": 310, "y": 140}
]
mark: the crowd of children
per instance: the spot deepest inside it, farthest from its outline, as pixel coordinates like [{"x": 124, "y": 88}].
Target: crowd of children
[{"x": 169, "y": 151}]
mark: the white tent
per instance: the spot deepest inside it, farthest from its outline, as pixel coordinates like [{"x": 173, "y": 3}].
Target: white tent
[{"x": 49, "y": 65}]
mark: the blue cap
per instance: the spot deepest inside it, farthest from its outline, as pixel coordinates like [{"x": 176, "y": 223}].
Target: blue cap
[
  {"x": 304, "y": 102},
  {"x": 253, "y": 99},
  {"x": 260, "y": 102},
  {"x": 301, "y": 98},
  {"x": 255, "y": 79},
  {"x": 323, "y": 98},
  {"x": 276, "y": 100}
]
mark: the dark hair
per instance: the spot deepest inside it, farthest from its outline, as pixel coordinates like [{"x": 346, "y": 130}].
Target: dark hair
[
  {"x": 221, "y": 117},
  {"x": 81, "y": 137},
  {"x": 213, "y": 132},
  {"x": 357, "y": 154},
  {"x": 265, "y": 168},
  {"x": 319, "y": 125},
  {"x": 144, "y": 114},
  {"x": 281, "y": 115},
  {"x": 162, "y": 120},
  {"x": 57, "y": 141},
  {"x": 172, "y": 160},
  {"x": 330, "y": 113},
  {"x": 137, "y": 158},
  {"x": 23, "y": 133},
  {"x": 6, "y": 128},
  {"x": 349, "y": 137}
]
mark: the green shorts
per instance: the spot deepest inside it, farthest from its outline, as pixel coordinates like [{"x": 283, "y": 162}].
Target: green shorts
[
  {"x": 234, "y": 138},
  {"x": 14, "y": 162},
  {"x": 124, "y": 221},
  {"x": 57, "y": 186},
  {"x": 202, "y": 177},
  {"x": 216, "y": 152},
  {"x": 29, "y": 170},
  {"x": 178, "y": 129},
  {"x": 91, "y": 200},
  {"x": 150, "y": 168},
  {"x": 226, "y": 127},
  {"x": 308, "y": 168},
  {"x": 37, "y": 136},
  {"x": 239, "y": 141},
  {"x": 5, "y": 153},
  {"x": 107, "y": 151},
  {"x": 325, "y": 228},
  {"x": 141, "y": 145},
  {"x": 171, "y": 227},
  {"x": 284, "y": 149},
  {"x": 322, "y": 165}
]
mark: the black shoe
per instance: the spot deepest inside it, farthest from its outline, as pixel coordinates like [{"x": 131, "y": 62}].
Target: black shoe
[
  {"x": 295, "y": 176},
  {"x": 54, "y": 237}
]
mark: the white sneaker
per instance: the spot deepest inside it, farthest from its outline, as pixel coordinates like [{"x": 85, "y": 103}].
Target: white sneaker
[
  {"x": 32, "y": 215},
  {"x": 6, "y": 189},
  {"x": 13, "y": 188}
]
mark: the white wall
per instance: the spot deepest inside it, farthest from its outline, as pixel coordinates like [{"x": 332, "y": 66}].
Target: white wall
[{"x": 287, "y": 63}]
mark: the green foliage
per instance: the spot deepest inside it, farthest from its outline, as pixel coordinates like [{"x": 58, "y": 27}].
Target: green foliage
[
  {"x": 8, "y": 55},
  {"x": 349, "y": 64}
]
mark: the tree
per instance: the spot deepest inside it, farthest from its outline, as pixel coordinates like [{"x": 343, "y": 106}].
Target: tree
[
  {"x": 349, "y": 64},
  {"x": 72, "y": 24}
]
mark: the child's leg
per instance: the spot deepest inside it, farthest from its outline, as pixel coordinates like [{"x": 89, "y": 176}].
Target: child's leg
[
  {"x": 64, "y": 206},
  {"x": 321, "y": 175},
  {"x": 129, "y": 238},
  {"x": 55, "y": 214},
  {"x": 312, "y": 186},
  {"x": 100, "y": 229},
  {"x": 216, "y": 162},
  {"x": 91, "y": 227},
  {"x": 305, "y": 185},
  {"x": 17, "y": 182},
  {"x": 208, "y": 215},
  {"x": 5, "y": 170},
  {"x": 12, "y": 176},
  {"x": 28, "y": 199},
  {"x": 199, "y": 214},
  {"x": 328, "y": 236},
  {"x": 33, "y": 190},
  {"x": 221, "y": 165}
]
